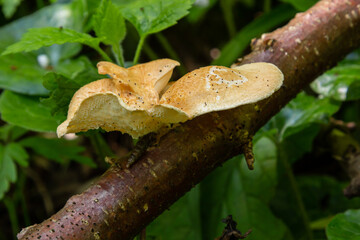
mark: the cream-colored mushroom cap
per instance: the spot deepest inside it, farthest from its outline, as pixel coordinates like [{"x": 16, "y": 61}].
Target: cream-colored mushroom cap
[
  {"x": 98, "y": 104},
  {"x": 141, "y": 83},
  {"x": 216, "y": 88}
]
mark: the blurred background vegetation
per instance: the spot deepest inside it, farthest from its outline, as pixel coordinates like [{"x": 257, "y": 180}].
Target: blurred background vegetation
[{"x": 296, "y": 189}]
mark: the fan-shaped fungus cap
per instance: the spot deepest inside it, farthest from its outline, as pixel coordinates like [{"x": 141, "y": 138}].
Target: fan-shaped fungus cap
[
  {"x": 141, "y": 84},
  {"x": 98, "y": 104},
  {"x": 216, "y": 88},
  {"x": 119, "y": 103}
]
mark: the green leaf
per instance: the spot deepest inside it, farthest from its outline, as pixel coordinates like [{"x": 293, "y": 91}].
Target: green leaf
[
  {"x": 9, "y": 7},
  {"x": 109, "y": 23},
  {"x": 199, "y": 10},
  {"x": 341, "y": 82},
  {"x": 27, "y": 112},
  {"x": 344, "y": 226},
  {"x": 36, "y": 38},
  {"x": 63, "y": 88},
  {"x": 10, "y": 132},
  {"x": 59, "y": 150},
  {"x": 21, "y": 72},
  {"x": 323, "y": 196},
  {"x": 61, "y": 91},
  {"x": 301, "y": 5},
  {"x": 71, "y": 68},
  {"x": 233, "y": 189},
  {"x": 18, "y": 153},
  {"x": 8, "y": 172},
  {"x": 301, "y": 112},
  {"x": 297, "y": 124},
  {"x": 233, "y": 49},
  {"x": 182, "y": 221},
  {"x": 299, "y": 143},
  {"x": 152, "y": 16}
]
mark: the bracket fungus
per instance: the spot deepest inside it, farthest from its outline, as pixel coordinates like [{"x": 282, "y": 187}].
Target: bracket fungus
[
  {"x": 138, "y": 100},
  {"x": 119, "y": 103},
  {"x": 216, "y": 88}
]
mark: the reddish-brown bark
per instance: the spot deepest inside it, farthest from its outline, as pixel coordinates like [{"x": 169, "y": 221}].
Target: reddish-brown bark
[{"x": 122, "y": 202}]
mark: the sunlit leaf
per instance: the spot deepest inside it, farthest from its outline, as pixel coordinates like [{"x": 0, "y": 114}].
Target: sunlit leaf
[
  {"x": 109, "y": 23},
  {"x": 21, "y": 72},
  {"x": 36, "y": 38},
  {"x": 151, "y": 16}
]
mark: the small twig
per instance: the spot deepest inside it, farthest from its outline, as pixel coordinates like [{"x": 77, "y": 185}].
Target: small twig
[
  {"x": 247, "y": 149},
  {"x": 143, "y": 143},
  {"x": 143, "y": 234},
  {"x": 48, "y": 203}
]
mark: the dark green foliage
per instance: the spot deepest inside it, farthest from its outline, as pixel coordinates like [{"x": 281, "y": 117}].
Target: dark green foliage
[
  {"x": 344, "y": 226},
  {"x": 27, "y": 112},
  {"x": 58, "y": 150},
  {"x": 62, "y": 88},
  {"x": 301, "y": 5},
  {"x": 343, "y": 81},
  {"x": 236, "y": 46},
  {"x": 51, "y": 53}
]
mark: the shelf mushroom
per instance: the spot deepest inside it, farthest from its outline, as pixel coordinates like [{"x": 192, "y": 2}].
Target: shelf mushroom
[
  {"x": 216, "y": 88},
  {"x": 119, "y": 103},
  {"x": 129, "y": 101}
]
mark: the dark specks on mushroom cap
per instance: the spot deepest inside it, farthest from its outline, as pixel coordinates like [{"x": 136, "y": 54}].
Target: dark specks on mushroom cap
[{"x": 221, "y": 88}]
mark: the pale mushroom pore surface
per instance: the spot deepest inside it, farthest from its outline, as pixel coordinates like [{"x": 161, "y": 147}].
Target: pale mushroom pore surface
[{"x": 98, "y": 105}]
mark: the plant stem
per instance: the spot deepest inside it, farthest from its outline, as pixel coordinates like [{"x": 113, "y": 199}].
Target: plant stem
[
  {"x": 282, "y": 157},
  {"x": 170, "y": 51},
  {"x": 118, "y": 53},
  {"x": 101, "y": 147},
  {"x": 102, "y": 53},
  {"x": 227, "y": 7},
  {"x": 10, "y": 206},
  {"x": 21, "y": 197},
  {"x": 139, "y": 48},
  {"x": 149, "y": 52},
  {"x": 267, "y": 6}
]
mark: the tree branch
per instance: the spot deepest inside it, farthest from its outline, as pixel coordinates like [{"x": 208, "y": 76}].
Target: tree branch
[{"x": 123, "y": 201}]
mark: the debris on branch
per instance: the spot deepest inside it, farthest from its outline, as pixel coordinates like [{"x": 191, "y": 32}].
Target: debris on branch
[
  {"x": 123, "y": 201},
  {"x": 231, "y": 232}
]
